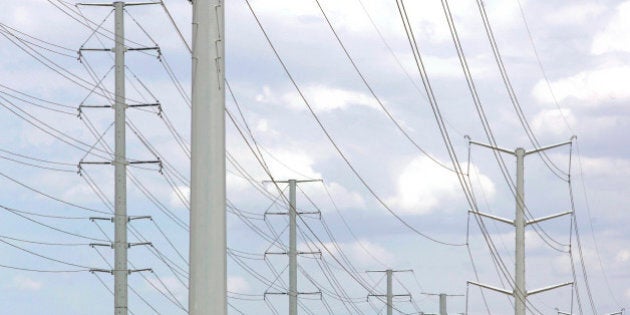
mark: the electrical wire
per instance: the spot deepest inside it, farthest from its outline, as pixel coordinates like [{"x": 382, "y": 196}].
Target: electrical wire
[
  {"x": 50, "y": 196},
  {"x": 373, "y": 93},
  {"x": 337, "y": 148},
  {"x": 512, "y": 94},
  {"x": 46, "y": 257},
  {"x": 484, "y": 120}
]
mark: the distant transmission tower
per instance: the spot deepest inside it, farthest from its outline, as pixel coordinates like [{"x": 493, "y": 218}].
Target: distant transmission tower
[
  {"x": 389, "y": 296},
  {"x": 520, "y": 292},
  {"x": 293, "y": 252},
  {"x": 442, "y": 297},
  {"x": 120, "y": 162}
]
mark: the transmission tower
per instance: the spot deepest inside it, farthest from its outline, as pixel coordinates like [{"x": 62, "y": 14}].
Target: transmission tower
[
  {"x": 120, "y": 162},
  {"x": 520, "y": 292},
  {"x": 293, "y": 252},
  {"x": 442, "y": 297},
  {"x": 390, "y": 295}
]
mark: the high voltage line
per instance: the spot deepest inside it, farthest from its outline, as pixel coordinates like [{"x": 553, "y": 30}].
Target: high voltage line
[{"x": 174, "y": 178}]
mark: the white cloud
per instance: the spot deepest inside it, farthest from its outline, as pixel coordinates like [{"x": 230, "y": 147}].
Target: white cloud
[
  {"x": 320, "y": 97},
  {"x": 173, "y": 285},
  {"x": 325, "y": 99},
  {"x": 533, "y": 240},
  {"x": 236, "y": 182},
  {"x": 553, "y": 121},
  {"x": 429, "y": 21},
  {"x": 590, "y": 87},
  {"x": 76, "y": 188},
  {"x": 623, "y": 255},
  {"x": 441, "y": 66},
  {"x": 22, "y": 16},
  {"x": 291, "y": 164},
  {"x": 23, "y": 283},
  {"x": 285, "y": 164},
  {"x": 601, "y": 125},
  {"x": 574, "y": 13},
  {"x": 614, "y": 37},
  {"x": 179, "y": 197},
  {"x": 238, "y": 284},
  {"x": 561, "y": 264},
  {"x": 605, "y": 167},
  {"x": 266, "y": 96},
  {"x": 341, "y": 196},
  {"x": 262, "y": 125},
  {"x": 365, "y": 252},
  {"x": 423, "y": 186},
  {"x": 288, "y": 10},
  {"x": 361, "y": 252}
]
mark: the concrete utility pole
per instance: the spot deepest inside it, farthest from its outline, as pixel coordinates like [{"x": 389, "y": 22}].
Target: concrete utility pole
[
  {"x": 120, "y": 161},
  {"x": 520, "y": 296},
  {"x": 520, "y": 292},
  {"x": 390, "y": 295},
  {"x": 120, "y": 164},
  {"x": 292, "y": 248},
  {"x": 443, "y": 304},
  {"x": 293, "y": 253},
  {"x": 293, "y": 292},
  {"x": 390, "y": 298},
  {"x": 208, "y": 261},
  {"x": 443, "y": 297}
]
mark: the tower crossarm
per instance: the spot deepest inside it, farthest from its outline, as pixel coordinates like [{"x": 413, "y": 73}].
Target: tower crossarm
[
  {"x": 549, "y": 217},
  {"x": 493, "y": 288},
  {"x": 551, "y": 287},
  {"x": 494, "y": 217}
]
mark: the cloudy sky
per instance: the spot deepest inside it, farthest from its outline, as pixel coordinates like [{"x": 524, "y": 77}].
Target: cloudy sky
[{"x": 361, "y": 122}]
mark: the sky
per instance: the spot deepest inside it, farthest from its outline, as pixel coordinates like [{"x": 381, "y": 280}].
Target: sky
[{"x": 361, "y": 122}]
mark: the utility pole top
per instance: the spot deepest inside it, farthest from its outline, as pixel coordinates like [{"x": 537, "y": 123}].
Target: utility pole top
[
  {"x": 293, "y": 292},
  {"x": 208, "y": 241},
  {"x": 443, "y": 297},
  {"x": 520, "y": 292},
  {"x": 390, "y": 295}
]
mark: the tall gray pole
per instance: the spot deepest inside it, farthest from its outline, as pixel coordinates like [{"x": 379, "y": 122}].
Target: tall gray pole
[
  {"x": 520, "y": 292},
  {"x": 293, "y": 293},
  {"x": 519, "y": 223},
  {"x": 208, "y": 265},
  {"x": 443, "y": 299},
  {"x": 443, "y": 304},
  {"x": 390, "y": 296},
  {"x": 120, "y": 167}
]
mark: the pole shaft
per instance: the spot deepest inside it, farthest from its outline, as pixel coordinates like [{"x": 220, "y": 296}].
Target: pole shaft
[
  {"x": 208, "y": 265},
  {"x": 390, "y": 297},
  {"x": 120, "y": 167},
  {"x": 519, "y": 222},
  {"x": 442, "y": 304},
  {"x": 292, "y": 248}
]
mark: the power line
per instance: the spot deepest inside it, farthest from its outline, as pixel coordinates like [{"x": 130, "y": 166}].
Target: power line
[
  {"x": 50, "y": 196},
  {"x": 542, "y": 68},
  {"x": 512, "y": 94},
  {"x": 590, "y": 220},
  {"x": 337, "y": 148},
  {"x": 373, "y": 93}
]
